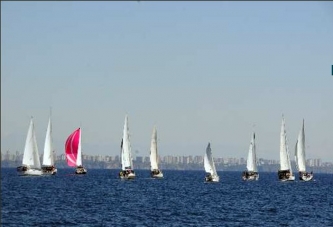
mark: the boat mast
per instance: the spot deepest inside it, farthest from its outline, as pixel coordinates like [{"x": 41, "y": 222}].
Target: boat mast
[
  {"x": 254, "y": 152},
  {"x": 296, "y": 158},
  {"x": 287, "y": 150},
  {"x": 51, "y": 139}
]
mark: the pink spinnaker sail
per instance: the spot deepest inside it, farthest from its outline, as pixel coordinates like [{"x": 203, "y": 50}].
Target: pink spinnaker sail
[{"x": 71, "y": 147}]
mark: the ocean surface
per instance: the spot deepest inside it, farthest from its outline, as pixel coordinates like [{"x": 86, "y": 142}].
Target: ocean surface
[{"x": 182, "y": 198}]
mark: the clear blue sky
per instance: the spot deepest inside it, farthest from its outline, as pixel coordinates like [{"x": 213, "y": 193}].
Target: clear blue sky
[{"x": 201, "y": 71}]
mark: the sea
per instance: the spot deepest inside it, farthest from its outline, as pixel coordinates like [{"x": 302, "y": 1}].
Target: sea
[{"x": 181, "y": 198}]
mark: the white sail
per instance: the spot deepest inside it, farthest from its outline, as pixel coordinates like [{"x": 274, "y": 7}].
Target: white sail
[
  {"x": 300, "y": 151},
  {"x": 31, "y": 155},
  {"x": 48, "y": 157},
  {"x": 207, "y": 165},
  {"x": 251, "y": 164},
  {"x": 209, "y": 162},
  {"x": 126, "y": 159},
  {"x": 288, "y": 154},
  {"x": 284, "y": 156},
  {"x": 79, "y": 151},
  {"x": 153, "y": 151}
]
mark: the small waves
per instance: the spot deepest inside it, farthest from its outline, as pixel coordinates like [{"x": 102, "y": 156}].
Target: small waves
[{"x": 182, "y": 198}]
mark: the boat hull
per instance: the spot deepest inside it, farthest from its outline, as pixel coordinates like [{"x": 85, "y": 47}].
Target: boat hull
[
  {"x": 126, "y": 175},
  {"x": 285, "y": 175},
  {"x": 155, "y": 174},
  {"x": 250, "y": 176},
  {"x": 80, "y": 170},
  {"x": 49, "y": 170},
  {"x": 27, "y": 171},
  {"x": 304, "y": 176},
  {"x": 212, "y": 178}
]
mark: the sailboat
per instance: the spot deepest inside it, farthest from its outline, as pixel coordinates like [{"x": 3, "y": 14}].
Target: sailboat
[
  {"x": 154, "y": 170},
  {"x": 300, "y": 156},
  {"x": 252, "y": 170},
  {"x": 285, "y": 173},
  {"x": 127, "y": 171},
  {"x": 74, "y": 153},
  {"x": 48, "y": 166},
  {"x": 211, "y": 174},
  {"x": 30, "y": 163}
]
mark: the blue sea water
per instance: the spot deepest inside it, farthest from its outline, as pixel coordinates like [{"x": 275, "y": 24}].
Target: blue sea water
[{"x": 180, "y": 199}]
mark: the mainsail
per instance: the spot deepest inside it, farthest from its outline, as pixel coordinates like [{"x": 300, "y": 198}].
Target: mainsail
[
  {"x": 284, "y": 152},
  {"x": 126, "y": 159},
  {"x": 153, "y": 151},
  {"x": 300, "y": 151},
  {"x": 48, "y": 158},
  {"x": 209, "y": 162},
  {"x": 252, "y": 159},
  {"x": 30, "y": 155}
]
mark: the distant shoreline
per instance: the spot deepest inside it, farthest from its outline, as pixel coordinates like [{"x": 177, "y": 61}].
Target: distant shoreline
[{"x": 235, "y": 168}]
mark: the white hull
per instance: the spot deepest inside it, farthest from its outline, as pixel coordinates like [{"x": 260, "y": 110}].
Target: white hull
[
  {"x": 251, "y": 178},
  {"x": 128, "y": 176},
  {"x": 80, "y": 170},
  {"x": 159, "y": 175},
  {"x": 53, "y": 172},
  {"x": 285, "y": 175},
  {"x": 30, "y": 172},
  {"x": 306, "y": 177},
  {"x": 291, "y": 178},
  {"x": 212, "y": 179},
  {"x": 48, "y": 170}
]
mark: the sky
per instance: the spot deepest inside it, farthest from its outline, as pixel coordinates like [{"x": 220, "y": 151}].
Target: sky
[{"x": 200, "y": 71}]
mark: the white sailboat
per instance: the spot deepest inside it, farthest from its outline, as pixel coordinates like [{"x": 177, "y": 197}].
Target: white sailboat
[
  {"x": 127, "y": 171},
  {"x": 285, "y": 173},
  {"x": 209, "y": 165},
  {"x": 251, "y": 165},
  {"x": 154, "y": 170},
  {"x": 300, "y": 156},
  {"x": 30, "y": 163},
  {"x": 48, "y": 166}
]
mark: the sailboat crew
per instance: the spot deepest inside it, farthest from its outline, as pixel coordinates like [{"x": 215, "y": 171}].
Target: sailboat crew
[{"x": 209, "y": 177}]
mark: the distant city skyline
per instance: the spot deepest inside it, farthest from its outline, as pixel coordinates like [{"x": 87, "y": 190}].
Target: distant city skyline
[
  {"x": 169, "y": 159},
  {"x": 200, "y": 71}
]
